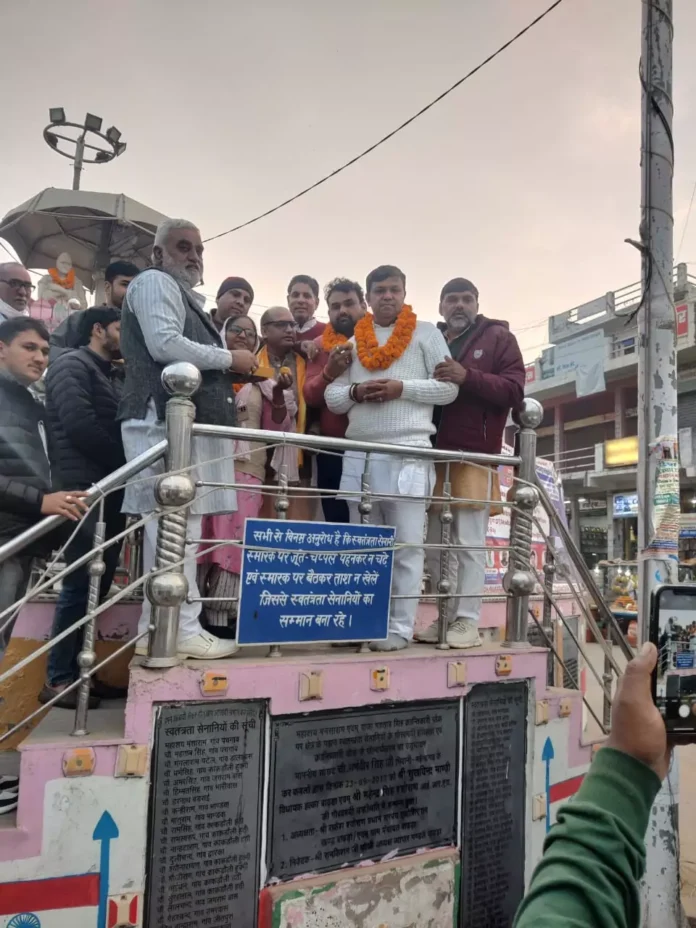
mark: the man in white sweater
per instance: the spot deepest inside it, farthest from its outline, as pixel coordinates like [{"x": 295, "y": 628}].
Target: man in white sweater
[{"x": 388, "y": 393}]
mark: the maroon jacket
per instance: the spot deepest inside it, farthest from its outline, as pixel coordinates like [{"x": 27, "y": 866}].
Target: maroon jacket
[{"x": 494, "y": 385}]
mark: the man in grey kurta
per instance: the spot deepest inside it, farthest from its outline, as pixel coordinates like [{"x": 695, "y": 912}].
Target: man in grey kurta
[{"x": 163, "y": 322}]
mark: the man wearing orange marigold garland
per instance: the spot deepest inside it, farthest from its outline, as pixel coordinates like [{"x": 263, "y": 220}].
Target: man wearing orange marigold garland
[
  {"x": 346, "y": 302},
  {"x": 388, "y": 393}
]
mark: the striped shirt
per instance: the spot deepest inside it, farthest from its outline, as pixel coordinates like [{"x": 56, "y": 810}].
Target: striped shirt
[{"x": 155, "y": 300}]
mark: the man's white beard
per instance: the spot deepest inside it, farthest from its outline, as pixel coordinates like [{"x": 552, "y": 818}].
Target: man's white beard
[{"x": 187, "y": 276}]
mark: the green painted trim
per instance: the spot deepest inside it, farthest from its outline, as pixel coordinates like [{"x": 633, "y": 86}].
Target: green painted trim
[
  {"x": 294, "y": 894},
  {"x": 322, "y": 889}
]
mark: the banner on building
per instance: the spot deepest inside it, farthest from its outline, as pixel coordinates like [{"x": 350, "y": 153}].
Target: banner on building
[{"x": 585, "y": 356}]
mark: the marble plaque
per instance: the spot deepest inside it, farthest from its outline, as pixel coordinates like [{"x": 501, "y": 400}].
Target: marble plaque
[
  {"x": 205, "y": 815},
  {"x": 362, "y": 784},
  {"x": 493, "y": 804}
]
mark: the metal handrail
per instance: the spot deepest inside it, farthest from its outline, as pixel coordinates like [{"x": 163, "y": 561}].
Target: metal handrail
[
  {"x": 115, "y": 480},
  {"x": 327, "y": 443},
  {"x": 583, "y": 570}
]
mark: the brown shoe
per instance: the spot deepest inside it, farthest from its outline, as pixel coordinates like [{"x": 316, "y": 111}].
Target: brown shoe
[{"x": 67, "y": 700}]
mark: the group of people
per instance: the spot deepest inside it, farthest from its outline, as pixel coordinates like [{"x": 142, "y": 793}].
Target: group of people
[{"x": 375, "y": 372}]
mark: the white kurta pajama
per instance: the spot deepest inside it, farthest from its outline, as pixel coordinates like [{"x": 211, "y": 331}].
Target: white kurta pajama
[
  {"x": 405, "y": 421},
  {"x": 155, "y": 300}
]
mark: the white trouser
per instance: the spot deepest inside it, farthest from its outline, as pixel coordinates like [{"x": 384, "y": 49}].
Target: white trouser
[
  {"x": 189, "y": 624},
  {"x": 408, "y": 518},
  {"x": 467, "y": 568}
]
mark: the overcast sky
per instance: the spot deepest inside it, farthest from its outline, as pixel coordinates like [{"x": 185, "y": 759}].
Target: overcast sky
[{"x": 526, "y": 179}]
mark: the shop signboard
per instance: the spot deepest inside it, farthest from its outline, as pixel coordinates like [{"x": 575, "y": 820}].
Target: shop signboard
[{"x": 625, "y": 505}]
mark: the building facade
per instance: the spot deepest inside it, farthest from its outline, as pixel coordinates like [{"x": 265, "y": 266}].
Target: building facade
[{"x": 587, "y": 382}]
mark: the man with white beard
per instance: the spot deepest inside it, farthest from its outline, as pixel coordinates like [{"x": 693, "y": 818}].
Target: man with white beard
[{"x": 163, "y": 321}]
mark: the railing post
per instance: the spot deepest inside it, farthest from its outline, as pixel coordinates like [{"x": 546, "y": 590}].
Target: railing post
[
  {"x": 443, "y": 585},
  {"x": 87, "y": 656},
  {"x": 167, "y": 587},
  {"x": 365, "y": 504},
  {"x": 281, "y": 504},
  {"x": 519, "y": 580}
]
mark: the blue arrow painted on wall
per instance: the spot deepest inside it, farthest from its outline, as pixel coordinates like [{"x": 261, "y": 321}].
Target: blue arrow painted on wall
[
  {"x": 547, "y": 756},
  {"x": 106, "y": 831}
]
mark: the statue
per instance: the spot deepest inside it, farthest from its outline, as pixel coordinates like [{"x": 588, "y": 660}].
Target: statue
[{"x": 60, "y": 292}]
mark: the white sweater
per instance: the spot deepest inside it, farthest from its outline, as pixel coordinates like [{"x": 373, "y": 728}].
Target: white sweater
[{"x": 408, "y": 420}]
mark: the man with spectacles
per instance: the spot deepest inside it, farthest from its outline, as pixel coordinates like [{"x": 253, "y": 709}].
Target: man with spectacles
[
  {"x": 280, "y": 352},
  {"x": 15, "y": 290}
]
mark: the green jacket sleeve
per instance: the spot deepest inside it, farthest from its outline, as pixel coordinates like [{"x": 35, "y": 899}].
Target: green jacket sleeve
[{"x": 595, "y": 855}]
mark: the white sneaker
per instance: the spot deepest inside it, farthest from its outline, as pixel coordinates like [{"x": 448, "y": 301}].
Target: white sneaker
[
  {"x": 203, "y": 647},
  {"x": 429, "y": 634},
  {"x": 392, "y": 642},
  {"x": 463, "y": 633}
]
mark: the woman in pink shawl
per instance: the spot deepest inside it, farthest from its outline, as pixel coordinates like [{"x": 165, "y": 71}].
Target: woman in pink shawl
[{"x": 268, "y": 404}]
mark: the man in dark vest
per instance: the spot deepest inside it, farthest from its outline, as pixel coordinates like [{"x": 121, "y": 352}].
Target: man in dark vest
[{"x": 163, "y": 321}]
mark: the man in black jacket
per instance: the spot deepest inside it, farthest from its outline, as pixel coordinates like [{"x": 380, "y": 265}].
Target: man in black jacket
[
  {"x": 69, "y": 333},
  {"x": 82, "y": 396},
  {"x": 25, "y": 474}
]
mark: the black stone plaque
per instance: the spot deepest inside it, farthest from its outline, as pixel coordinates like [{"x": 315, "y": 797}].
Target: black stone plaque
[
  {"x": 205, "y": 815},
  {"x": 495, "y": 736},
  {"x": 358, "y": 785}
]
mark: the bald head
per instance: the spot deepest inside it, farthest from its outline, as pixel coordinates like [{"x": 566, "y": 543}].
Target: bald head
[
  {"x": 278, "y": 328},
  {"x": 15, "y": 285}
]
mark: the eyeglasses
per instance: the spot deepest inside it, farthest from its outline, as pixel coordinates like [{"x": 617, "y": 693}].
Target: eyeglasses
[
  {"x": 283, "y": 324},
  {"x": 18, "y": 284},
  {"x": 241, "y": 330}
]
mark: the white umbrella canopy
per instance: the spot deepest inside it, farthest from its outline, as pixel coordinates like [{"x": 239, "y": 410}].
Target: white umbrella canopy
[{"x": 94, "y": 228}]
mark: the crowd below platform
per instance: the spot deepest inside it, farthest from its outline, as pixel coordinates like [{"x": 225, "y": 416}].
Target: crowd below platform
[{"x": 374, "y": 372}]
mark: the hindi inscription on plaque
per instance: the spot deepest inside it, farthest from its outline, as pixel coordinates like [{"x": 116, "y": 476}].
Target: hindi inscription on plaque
[
  {"x": 493, "y": 804},
  {"x": 205, "y": 815},
  {"x": 361, "y": 784}
]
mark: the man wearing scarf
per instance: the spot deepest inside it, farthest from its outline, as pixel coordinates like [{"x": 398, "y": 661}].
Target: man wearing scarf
[
  {"x": 346, "y": 302},
  {"x": 279, "y": 353},
  {"x": 15, "y": 290},
  {"x": 487, "y": 368}
]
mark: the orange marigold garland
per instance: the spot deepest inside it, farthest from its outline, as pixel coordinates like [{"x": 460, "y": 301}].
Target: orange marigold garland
[
  {"x": 331, "y": 339},
  {"x": 68, "y": 282},
  {"x": 374, "y": 357}
]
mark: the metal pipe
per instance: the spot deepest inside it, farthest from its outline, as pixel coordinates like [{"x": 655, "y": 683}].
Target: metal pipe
[
  {"x": 281, "y": 505},
  {"x": 327, "y": 443},
  {"x": 167, "y": 589},
  {"x": 112, "y": 482},
  {"x": 87, "y": 656},
  {"x": 552, "y": 648},
  {"x": 584, "y": 572},
  {"x": 443, "y": 587},
  {"x": 518, "y": 581},
  {"x": 365, "y": 504}
]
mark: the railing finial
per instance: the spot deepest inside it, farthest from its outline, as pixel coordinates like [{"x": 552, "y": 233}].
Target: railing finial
[{"x": 181, "y": 379}]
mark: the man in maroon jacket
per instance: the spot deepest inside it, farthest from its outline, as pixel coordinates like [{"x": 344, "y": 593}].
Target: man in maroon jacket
[
  {"x": 346, "y": 302},
  {"x": 487, "y": 366}
]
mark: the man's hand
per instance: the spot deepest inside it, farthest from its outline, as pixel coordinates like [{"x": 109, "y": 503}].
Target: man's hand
[
  {"x": 69, "y": 504},
  {"x": 382, "y": 391},
  {"x": 637, "y": 727},
  {"x": 285, "y": 379},
  {"x": 339, "y": 361},
  {"x": 243, "y": 361},
  {"x": 309, "y": 350},
  {"x": 450, "y": 371}
]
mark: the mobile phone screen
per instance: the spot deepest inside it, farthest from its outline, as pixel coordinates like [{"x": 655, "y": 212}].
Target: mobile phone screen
[{"x": 675, "y": 630}]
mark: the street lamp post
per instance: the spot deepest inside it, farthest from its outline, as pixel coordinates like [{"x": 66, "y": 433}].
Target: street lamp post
[{"x": 82, "y": 142}]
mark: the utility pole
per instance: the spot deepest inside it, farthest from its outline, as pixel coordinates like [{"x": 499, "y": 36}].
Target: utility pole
[{"x": 658, "y": 468}]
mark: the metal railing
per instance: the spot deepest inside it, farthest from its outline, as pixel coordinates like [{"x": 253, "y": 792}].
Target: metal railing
[
  {"x": 573, "y": 460},
  {"x": 166, "y": 587}
]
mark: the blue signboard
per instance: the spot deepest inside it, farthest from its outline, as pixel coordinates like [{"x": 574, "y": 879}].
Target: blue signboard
[
  {"x": 684, "y": 660},
  {"x": 314, "y": 582}
]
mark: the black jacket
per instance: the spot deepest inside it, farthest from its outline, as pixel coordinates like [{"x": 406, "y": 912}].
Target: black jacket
[
  {"x": 81, "y": 402},
  {"x": 25, "y": 474}
]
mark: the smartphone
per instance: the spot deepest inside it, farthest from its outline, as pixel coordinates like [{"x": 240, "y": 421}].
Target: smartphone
[{"x": 673, "y": 631}]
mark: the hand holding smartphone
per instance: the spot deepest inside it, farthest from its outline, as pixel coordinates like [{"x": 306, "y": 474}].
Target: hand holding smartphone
[{"x": 673, "y": 632}]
